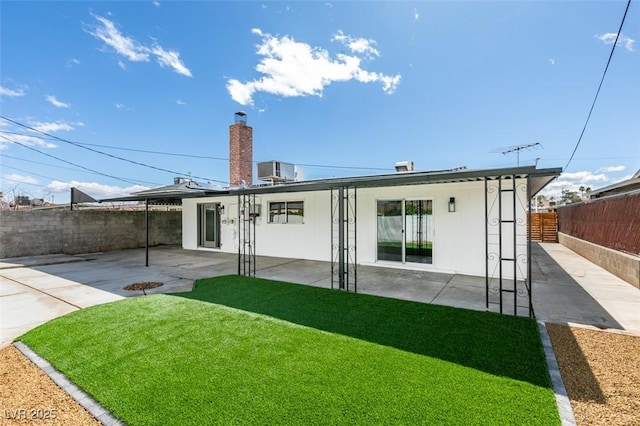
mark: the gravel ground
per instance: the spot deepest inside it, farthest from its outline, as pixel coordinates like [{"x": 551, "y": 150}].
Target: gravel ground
[
  {"x": 29, "y": 396},
  {"x": 601, "y": 371}
]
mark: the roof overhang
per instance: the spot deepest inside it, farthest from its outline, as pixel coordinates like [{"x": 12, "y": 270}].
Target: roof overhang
[
  {"x": 622, "y": 187},
  {"x": 538, "y": 179},
  {"x": 166, "y": 197}
]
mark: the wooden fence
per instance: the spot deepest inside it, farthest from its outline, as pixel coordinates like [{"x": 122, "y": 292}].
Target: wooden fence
[{"x": 544, "y": 227}]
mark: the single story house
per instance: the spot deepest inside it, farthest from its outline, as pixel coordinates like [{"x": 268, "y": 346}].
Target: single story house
[{"x": 471, "y": 222}]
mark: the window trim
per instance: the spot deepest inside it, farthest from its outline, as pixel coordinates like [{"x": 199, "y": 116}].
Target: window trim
[{"x": 284, "y": 209}]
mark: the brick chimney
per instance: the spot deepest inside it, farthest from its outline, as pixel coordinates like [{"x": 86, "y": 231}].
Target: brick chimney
[{"x": 240, "y": 151}]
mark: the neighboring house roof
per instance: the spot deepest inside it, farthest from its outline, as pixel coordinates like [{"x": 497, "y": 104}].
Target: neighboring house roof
[
  {"x": 186, "y": 186},
  {"x": 628, "y": 185},
  {"x": 170, "y": 194},
  {"x": 538, "y": 179}
]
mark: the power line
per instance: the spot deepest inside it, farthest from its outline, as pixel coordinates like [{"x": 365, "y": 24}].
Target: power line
[
  {"x": 104, "y": 153},
  {"x": 25, "y": 183},
  {"x": 65, "y": 161},
  {"x": 593, "y": 104},
  {"x": 4, "y": 166},
  {"x": 202, "y": 157},
  {"x": 67, "y": 168}
]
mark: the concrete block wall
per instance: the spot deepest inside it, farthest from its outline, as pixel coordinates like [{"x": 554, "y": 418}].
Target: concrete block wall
[
  {"x": 39, "y": 232},
  {"x": 622, "y": 265}
]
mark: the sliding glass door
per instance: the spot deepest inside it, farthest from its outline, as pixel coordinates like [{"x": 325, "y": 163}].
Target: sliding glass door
[
  {"x": 405, "y": 231},
  {"x": 390, "y": 230},
  {"x": 418, "y": 220}
]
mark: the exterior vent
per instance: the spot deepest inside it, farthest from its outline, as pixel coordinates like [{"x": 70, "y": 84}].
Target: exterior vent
[
  {"x": 276, "y": 171},
  {"x": 404, "y": 166}
]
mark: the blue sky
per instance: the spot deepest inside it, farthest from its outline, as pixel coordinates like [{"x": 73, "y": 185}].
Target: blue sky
[{"x": 340, "y": 88}]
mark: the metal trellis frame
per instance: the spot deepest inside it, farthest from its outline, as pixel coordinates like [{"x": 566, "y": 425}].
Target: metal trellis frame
[
  {"x": 246, "y": 235},
  {"x": 344, "y": 270}
]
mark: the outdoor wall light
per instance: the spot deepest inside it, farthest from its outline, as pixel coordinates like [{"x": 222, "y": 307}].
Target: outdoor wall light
[
  {"x": 221, "y": 209},
  {"x": 452, "y": 204}
]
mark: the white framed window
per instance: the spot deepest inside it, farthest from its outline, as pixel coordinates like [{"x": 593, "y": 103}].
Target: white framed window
[{"x": 286, "y": 212}]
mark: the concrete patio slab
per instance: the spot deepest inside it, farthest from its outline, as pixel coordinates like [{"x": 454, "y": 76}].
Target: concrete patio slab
[
  {"x": 566, "y": 288},
  {"x": 29, "y": 297},
  {"x": 9, "y": 287},
  {"x": 50, "y": 259},
  {"x": 616, "y": 297},
  {"x": 20, "y": 312},
  {"x": 36, "y": 279}
]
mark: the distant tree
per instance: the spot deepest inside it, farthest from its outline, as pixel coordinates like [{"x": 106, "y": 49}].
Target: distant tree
[{"x": 569, "y": 197}]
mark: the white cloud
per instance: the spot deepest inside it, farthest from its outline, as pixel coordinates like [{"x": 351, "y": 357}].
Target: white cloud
[
  {"x": 171, "y": 59},
  {"x": 11, "y": 93},
  {"x": 133, "y": 50},
  {"x": 55, "y": 102},
  {"x": 552, "y": 61},
  {"x": 180, "y": 102},
  {"x": 55, "y": 126},
  {"x": 573, "y": 182},
  {"x": 292, "y": 69},
  {"x": 357, "y": 45},
  {"x": 22, "y": 179},
  {"x": 73, "y": 61},
  {"x": 96, "y": 190},
  {"x": 416, "y": 15},
  {"x": 583, "y": 177},
  {"x": 25, "y": 140},
  {"x": 610, "y": 38},
  {"x": 122, "y": 44},
  {"x": 611, "y": 169},
  {"x": 119, "y": 106},
  {"x": 156, "y": 3}
]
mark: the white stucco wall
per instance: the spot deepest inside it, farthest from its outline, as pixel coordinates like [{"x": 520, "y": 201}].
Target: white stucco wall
[
  {"x": 458, "y": 244},
  {"x": 308, "y": 240},
  {"x": 459, "y": 237}
]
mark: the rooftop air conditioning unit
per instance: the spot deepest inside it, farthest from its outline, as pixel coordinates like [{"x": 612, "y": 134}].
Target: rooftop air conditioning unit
[
  {"x": 404, "y": 166},
  {"x": 276, "y": 171}
]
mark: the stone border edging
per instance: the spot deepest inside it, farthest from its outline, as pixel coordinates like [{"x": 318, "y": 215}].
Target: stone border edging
[
  {"x": 103, "y": 415},
  {"x": 562, "y": 399}
]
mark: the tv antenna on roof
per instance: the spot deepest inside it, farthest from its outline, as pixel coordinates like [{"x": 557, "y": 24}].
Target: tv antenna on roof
[{"x": 516, "y": 148}]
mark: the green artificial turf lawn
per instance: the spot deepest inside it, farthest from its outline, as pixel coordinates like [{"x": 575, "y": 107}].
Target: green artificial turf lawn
[{"x": 250, "y": 351}]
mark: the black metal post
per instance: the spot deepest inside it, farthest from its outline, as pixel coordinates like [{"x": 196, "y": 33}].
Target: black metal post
[
  {"x": 486, "y": 241},
  {"x": 341, "y": 238},
  {"x": 253, "y": 239},
  {"x": 515, "y": 250},
  {"x": 529, "y": 277},
  {"x": 355, "y": 239},
  {"x": 146, "y": 226},
  {"x": 239, "y": 234},
  {"x": 500, "y": 237}
]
